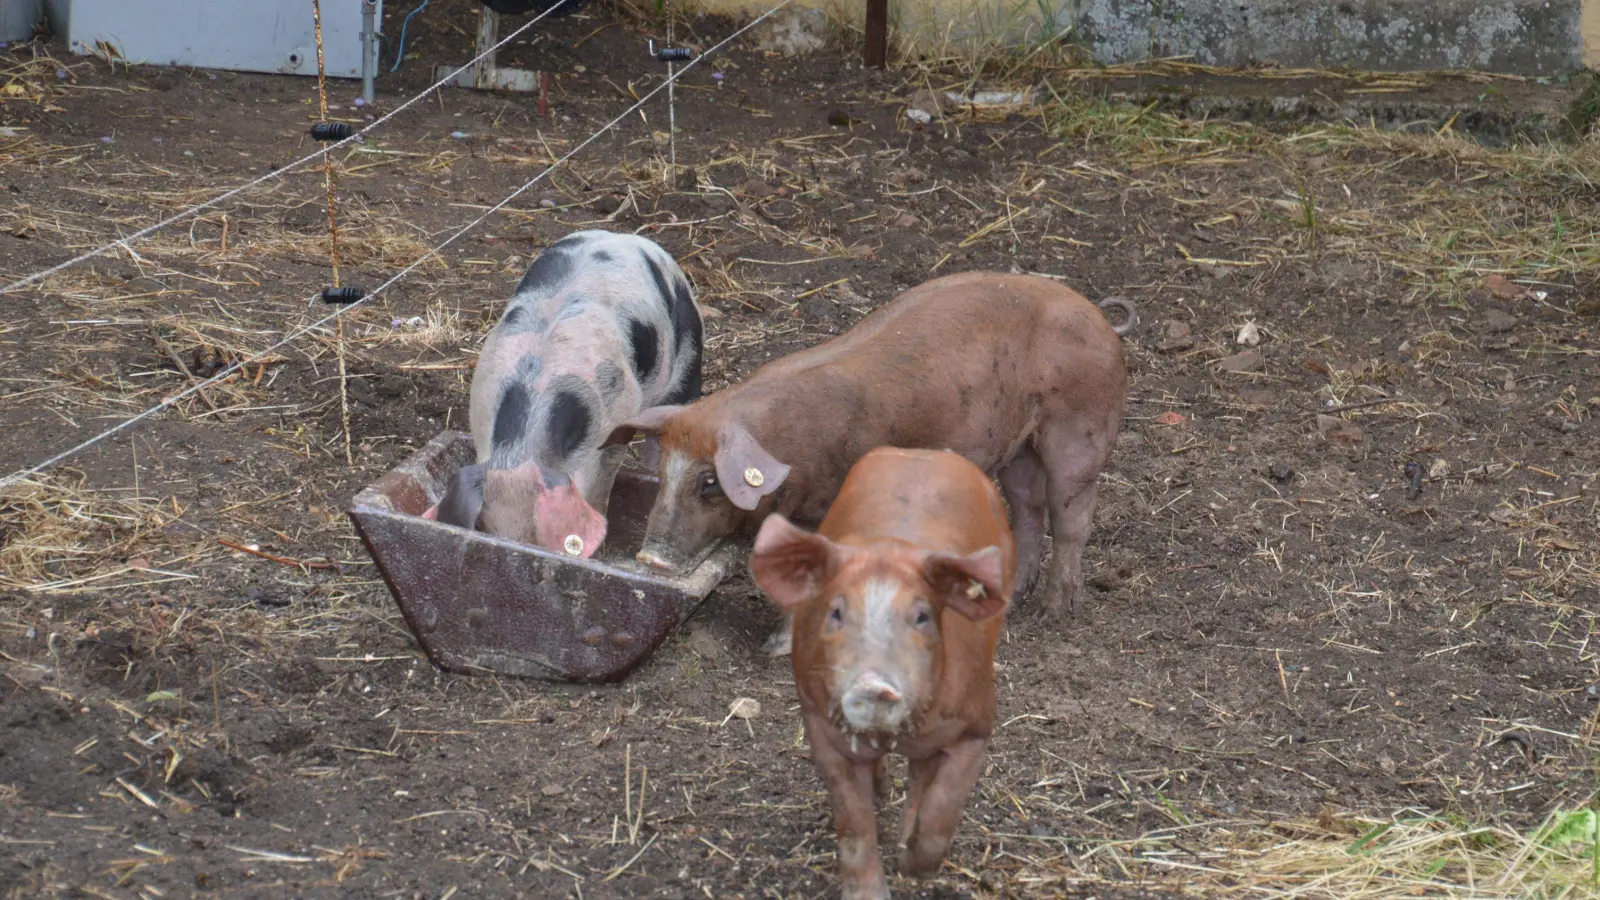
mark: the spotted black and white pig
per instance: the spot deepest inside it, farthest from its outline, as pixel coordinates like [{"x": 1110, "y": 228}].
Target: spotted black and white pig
[{"x": 601, "y": 326}]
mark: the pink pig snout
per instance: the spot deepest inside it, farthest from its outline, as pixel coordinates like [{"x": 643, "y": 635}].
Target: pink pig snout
[{"x": 873, "y": 703}]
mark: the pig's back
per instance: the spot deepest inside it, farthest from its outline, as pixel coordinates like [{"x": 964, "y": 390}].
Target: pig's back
[
  {"x": 1002, "y": 314},
  {"x": 971, "y": 362},
  {"x": 934, "y": 499},
  {"x": 600, "y": 320},
  {"x": 631, "y": 277}
]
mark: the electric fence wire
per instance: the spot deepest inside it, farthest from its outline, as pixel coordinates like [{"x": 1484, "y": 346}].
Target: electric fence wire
[
  {"x": 126, "y": 241},
  {"x": 296, "y": 334}
]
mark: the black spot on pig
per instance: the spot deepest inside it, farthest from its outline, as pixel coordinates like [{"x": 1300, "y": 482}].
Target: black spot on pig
[
  {"x": 688, "y": 389},
  {"x": 687, "y": 329},
  {"x": 552, "y": 267},
  {"x": 511, "y": 418},
  {"x": 646, "y": 346},
  {"x": 575, "y": 305},
  {"x": 527, "y": 370},
  {"x": 568, "y": 425},
  {"x": 608, "y": 377},
  {"x": 685, "y": 318},
  {"x": 603, "y": 256},
  {"x": 520, "y": 319}
]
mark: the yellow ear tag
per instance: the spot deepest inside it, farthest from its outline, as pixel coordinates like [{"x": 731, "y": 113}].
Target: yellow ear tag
[
  {"x": 573, "y": 545},
  {"x": 754, "y": 478},
  {"x": 975, "y": 590}
]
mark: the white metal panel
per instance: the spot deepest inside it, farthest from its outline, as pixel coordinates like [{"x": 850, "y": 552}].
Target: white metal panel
[
  {"x": 17, "y": 18},
  {"x": 242, "y": 35}
]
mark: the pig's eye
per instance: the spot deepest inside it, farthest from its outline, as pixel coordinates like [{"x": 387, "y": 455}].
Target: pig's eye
[
  {"x": 923, "y": 618},
  {"x": 709, "y": 486},
  {"x": 836, "y": 615}
]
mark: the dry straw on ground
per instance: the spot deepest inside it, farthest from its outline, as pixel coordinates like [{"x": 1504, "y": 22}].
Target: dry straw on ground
[{"x": 1524, "y": 212}]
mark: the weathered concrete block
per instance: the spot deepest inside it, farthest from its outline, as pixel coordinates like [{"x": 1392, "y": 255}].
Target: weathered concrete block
[
  {"x": 1526, "y": 37},
  {"x": 1531, "y": 37}
]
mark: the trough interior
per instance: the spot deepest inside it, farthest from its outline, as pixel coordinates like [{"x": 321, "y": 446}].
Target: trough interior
[{"x": 631, "y": 498}]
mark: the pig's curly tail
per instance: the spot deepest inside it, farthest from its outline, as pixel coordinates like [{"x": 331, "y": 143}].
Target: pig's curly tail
[{"x": 1130, "y": 314}]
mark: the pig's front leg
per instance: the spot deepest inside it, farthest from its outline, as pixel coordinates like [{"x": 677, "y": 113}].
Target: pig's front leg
[
  {"x": 599, "y": 494},
  {"x": 950, "y": 778},
  {"x": 855, "y": 820}
]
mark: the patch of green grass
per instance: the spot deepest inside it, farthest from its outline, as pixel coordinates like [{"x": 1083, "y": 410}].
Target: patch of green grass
[{"x": 1436, "y": 856}]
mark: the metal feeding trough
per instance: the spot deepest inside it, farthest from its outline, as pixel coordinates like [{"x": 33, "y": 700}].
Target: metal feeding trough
[{"x": 478, "y": 603}]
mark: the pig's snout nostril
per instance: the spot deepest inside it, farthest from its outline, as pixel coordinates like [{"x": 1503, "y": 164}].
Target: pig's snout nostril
[{"x": 873, "y": 704}]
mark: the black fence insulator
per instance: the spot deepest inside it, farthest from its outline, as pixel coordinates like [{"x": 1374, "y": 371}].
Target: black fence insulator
[
  {"x": 674, "y": 54},
  {"x": 331, "y": 131},
  {"x": 342, "y": 295}
]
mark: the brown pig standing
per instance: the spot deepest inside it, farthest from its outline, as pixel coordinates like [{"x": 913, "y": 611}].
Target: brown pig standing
[
  {"x": 898, "y": 601},
  {"x": 1017, "y": 373}
]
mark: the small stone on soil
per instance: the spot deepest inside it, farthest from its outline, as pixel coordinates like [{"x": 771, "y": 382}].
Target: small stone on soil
[
  {"x": 1241, "y": 363},
  {"x": 927, "y": 102},
  {"x": 1178, "y": 336},
  {"x": 1337, "y": 431},
  {"x": 1249, "y": 335},
  {"x": 816, "y": 306},
  {"x": 1504, "y": 288},
  {"x": 1497, "y": 321}
]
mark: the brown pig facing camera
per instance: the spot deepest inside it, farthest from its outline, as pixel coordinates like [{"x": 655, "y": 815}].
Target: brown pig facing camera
[
  {"x": 898, "y": 601},
  {"x": 1018, "y": 373}
]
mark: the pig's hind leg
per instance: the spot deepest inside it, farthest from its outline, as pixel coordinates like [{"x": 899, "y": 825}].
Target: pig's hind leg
[
  {"x": 1026, "y": 489},
  {"x": 1073, "y": 463}
]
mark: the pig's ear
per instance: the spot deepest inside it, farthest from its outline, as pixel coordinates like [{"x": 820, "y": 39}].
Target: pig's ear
[
  {"x": 463, "y": 500},
  {"x": 648, "y": 421},
  {"x": 564, "y": 522},
  {"x": 971, "y": 585},
  {"x": 746, "y": 471},
  {"x": 790, "y": 564}
]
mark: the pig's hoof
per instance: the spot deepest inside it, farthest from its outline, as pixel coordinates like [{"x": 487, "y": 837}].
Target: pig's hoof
[
  {"x": 924, "y": 864},
  {"x": 877, "y": 889},
  {"x": 780, "y": 643},
  {"x": 1052, "y": 604}
]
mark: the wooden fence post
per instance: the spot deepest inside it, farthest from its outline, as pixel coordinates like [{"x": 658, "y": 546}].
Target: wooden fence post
[{"x": 876, "y": 54}]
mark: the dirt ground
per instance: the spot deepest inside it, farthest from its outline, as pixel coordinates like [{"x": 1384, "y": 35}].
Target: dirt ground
[{"x": 1278, "y": 638}]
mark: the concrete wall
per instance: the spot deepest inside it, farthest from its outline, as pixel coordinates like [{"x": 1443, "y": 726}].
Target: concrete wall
[{"x": 1528, "y": 37}]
